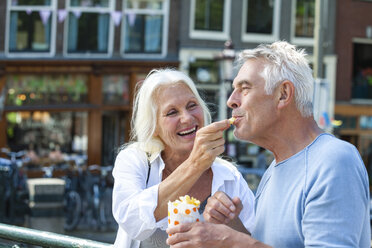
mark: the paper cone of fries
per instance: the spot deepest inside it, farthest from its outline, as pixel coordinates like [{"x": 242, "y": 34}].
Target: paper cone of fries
[{"x": 185, "y": 210}]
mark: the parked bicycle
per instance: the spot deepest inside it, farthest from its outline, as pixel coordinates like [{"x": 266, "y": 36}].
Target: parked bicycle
[
  {"x": 72, "y": 199},
  {"x": 102, "y": 195},
  {"x": 88, "y": 198},
  {"x": 13, "y": 191}
]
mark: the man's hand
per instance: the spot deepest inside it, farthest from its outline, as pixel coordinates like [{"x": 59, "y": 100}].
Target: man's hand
[
  {"x": 209, "y": 235},
  {"x": 199, "y": 235},
  {"x": 221, "y": 209}
]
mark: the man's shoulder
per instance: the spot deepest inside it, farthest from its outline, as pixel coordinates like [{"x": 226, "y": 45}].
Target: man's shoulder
[
  {"x": 329, "y": 153},
  {"x": 328, "y": 145}
]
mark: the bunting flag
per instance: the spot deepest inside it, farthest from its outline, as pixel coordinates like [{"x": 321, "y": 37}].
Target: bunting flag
[
  {"x": 116, "y": 17},
  {"x": 131, "y": 18},
  {"x": 44, "y": 14},
  {"x": 77, "y": 13},
  {"x": 86, "y": 3},
  {"x": 28, "y": 11},
  {"x": 62, "y": 13}
]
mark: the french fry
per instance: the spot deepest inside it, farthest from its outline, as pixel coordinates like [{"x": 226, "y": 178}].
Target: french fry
[{"x": 232, "y": 120}]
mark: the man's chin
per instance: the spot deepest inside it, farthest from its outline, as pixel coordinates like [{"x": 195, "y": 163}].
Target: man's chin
[{"x": 240, "y": 136}]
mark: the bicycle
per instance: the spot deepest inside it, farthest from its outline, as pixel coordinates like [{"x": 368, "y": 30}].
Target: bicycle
[
  {"x": 13, "y": 188},
  {"x": 99, "y": 197},
  {"x": 72, "y": 200},
  {"x": 74, "y": 189}
]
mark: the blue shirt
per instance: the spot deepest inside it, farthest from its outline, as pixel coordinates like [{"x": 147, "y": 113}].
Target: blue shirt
[{"x": 319, "y": 197}]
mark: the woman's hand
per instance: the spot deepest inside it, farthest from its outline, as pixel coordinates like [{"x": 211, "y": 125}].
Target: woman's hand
[{"x": 209, "y": 143}]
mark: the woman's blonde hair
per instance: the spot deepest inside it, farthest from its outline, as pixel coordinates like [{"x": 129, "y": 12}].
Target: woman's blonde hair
[{"x": 145, "y": 107}]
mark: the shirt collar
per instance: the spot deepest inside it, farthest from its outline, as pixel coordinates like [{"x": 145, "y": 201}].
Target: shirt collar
[{"x": 221, "y": 173}]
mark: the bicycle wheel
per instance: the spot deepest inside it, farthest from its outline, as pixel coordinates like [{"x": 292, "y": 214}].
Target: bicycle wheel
[
  {"x": 72, "y": 210},
  {"x": 105, "y": 209}
]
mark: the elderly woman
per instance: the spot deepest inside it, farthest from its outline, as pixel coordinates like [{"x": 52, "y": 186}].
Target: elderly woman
[{"x": 173, "y": 152}]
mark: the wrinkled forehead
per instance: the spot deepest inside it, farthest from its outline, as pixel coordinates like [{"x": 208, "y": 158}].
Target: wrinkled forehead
[
  {"x": 169, "y": 93},
  {"x": 250, "y": 71},
  {"x": 167, "y": 88}
]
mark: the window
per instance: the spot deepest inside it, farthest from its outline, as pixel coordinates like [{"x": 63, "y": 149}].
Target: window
[
  {"x": 116, "y": 89},
  {"x": 40, "y": 90},
  {"x": 43, "y": 131},
  {"x": 204, "y": 73},
  {"x": 145, "y": 27},
  {"x": 304, "y": 21},
  {"x": 89, "y": 27},
  {"x": 362, "y": 72},
  {"x": 210, "y": 19},
  {"x": 30, "y": 28},
  {"x": 260, "y": 20}
]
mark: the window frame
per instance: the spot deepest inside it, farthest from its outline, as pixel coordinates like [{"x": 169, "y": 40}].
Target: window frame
[
  {"x": 53, "y": 16},
  {"x": 257, "y": 37},
  {"x": 211, "y": 35},
  {"x": 164, "y": 12},
  {"x": 299, "y": 40},
  {"x": 102, "y": 10}
]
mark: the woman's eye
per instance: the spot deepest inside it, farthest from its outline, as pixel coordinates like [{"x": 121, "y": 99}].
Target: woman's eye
[
  {"x": 172, "y": 112},
  {"x": 192, "y": 105}
]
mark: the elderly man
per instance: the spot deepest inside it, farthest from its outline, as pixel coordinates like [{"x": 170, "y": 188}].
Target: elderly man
[{"x": 316, "y": 191}]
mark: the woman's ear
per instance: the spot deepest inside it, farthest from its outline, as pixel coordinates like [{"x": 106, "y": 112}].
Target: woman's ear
[{"x": 286, "y": 93}]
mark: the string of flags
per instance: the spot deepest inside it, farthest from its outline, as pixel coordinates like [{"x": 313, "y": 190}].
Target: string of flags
[{"x": 62, "y": 14}]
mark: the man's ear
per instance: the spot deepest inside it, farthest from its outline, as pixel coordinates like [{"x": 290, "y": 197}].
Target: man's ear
[{"x": 286, "y": 93}]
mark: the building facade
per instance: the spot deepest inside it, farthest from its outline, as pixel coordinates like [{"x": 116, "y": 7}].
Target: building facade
[
  {"x": 354, "y": 75},
  {"x": 68, "y": 70},
  {"x": 70, "y": 67},
  {"x": 206, "y": 25}
]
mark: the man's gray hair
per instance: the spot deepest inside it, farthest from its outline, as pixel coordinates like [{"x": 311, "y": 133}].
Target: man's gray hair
[{"x": 285, "y": 62}]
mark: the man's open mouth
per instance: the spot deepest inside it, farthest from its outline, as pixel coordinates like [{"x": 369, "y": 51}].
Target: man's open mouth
[{"x": 188, "y": 132}]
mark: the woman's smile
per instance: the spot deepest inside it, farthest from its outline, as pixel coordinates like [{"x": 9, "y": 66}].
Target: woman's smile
[
  {"x": 188, "y": 132},
  {"x": 179, "y": 118}
]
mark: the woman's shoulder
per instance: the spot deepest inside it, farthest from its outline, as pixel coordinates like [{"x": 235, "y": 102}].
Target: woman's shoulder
[{"x": 130, "y": 151}]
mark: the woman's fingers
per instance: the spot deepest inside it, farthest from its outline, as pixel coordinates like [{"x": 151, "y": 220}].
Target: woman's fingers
[
  {"x": 216, "y": 126},
  {"x": 209, "y": 143}
]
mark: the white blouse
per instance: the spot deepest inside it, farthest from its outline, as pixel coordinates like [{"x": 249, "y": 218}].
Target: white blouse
[{"x": 134, "y": 203}]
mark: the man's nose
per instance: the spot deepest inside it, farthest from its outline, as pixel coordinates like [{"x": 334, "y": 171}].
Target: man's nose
[{"x": 233, "y": 101}]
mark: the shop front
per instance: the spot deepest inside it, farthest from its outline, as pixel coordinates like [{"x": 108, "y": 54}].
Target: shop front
[
  {"x": 69, "y": 107},
  {"x": 356, "y": 114}
]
